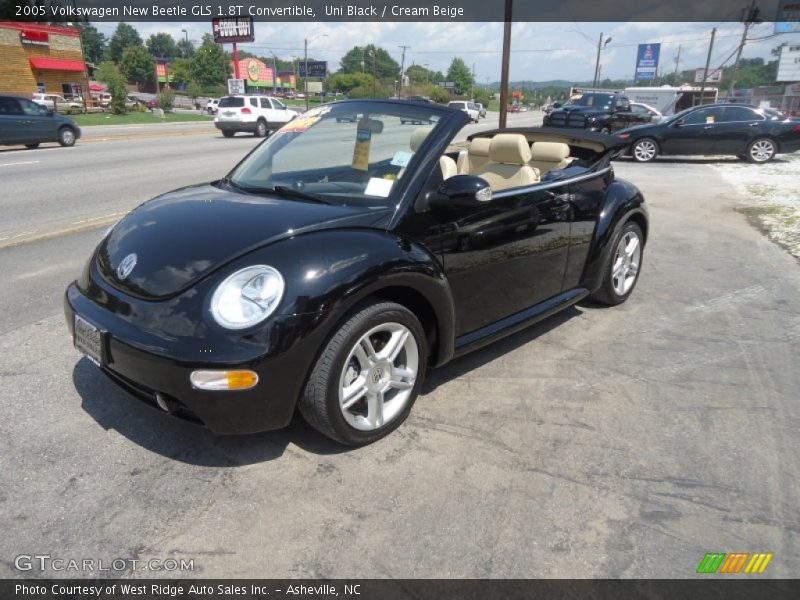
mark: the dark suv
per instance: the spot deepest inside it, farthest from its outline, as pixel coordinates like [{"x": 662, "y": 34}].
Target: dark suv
[
  {"x": 25, "y": 122},
  {"x": 604, "y": 112}
]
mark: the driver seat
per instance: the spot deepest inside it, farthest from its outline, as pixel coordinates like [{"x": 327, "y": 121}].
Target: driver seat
[
  {"x": 508, "y": 166},
  {"x": 446, "y": 164}
]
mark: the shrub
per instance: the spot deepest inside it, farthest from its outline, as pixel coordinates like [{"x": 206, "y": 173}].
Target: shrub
[{"x": 166, "y": 100}]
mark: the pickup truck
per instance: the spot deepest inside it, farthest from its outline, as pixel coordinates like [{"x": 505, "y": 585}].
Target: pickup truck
[{"x": 604, "y": 112}]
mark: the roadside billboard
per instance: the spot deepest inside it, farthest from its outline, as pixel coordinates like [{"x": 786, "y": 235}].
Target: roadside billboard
[
  {"x": 788, "y": 19},
  {"x": 789, "y": 64},
  {"x": 228, "y": 30},
  {"x": 647, "y": 61},
  {"x": 714, "y": 75},
  {"x": 313, "y": 68},
  {"x": 236, "y": 86}
]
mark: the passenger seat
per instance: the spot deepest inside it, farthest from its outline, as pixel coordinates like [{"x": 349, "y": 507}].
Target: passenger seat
[
  {"x": 508, "y": 166},
  {"x": 474, "y": 158},
  {"x": 546, "y": 156}
]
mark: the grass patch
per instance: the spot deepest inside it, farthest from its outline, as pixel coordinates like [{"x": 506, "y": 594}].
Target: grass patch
[{"x": 137, "y": 118}]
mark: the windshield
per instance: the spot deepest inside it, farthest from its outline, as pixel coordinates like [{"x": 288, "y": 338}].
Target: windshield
[
  {"x": 599, "y": 101},
  {"x": 349, "y": 153}
]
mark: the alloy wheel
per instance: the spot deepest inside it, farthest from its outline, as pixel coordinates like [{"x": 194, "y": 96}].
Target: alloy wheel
[
  {"x": 627, "y": 259},
  {"x": 645, "y": 150},
  {"x": 378, "y": 376},
  {"x": 762, "y": 150}
]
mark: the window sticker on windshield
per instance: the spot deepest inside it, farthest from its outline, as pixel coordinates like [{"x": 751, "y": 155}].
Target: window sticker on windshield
[
  {"x": 379, "y": 187},
  {"x": 361, "y": 150},
  {"x": 401, "y": 158}
]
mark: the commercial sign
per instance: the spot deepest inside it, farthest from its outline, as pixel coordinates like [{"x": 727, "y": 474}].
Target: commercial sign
[
  {"x": 714, "y": 76},
  {"x": 313, "y": 68},
  {"x": 232, "y": 29},
  {"x": 788, "y": 19},
  {"x": 236, "y": 86},
  {"x": 34, "y": 38},
  {"x": 647, "y": 61},
  {"x": 789, "y": 64}
]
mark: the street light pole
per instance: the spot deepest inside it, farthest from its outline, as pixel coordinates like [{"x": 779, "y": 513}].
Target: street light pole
[
  {"x": 305, "y": 68},
  {"x": 186, "y": 40},
  {"x": 600, "y": 46}
]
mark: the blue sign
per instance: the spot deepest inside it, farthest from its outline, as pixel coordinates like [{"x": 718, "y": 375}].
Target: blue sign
[
  {"x": 647, "y": 61},
  {"x": 788, "y": 19},
  {"x": 314, "y": 68}
]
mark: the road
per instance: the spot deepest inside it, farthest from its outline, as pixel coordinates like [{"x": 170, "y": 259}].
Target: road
[{"x": 622, "y": 442}]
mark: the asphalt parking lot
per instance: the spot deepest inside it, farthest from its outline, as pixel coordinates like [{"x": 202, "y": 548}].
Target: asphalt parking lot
[{"x": 622, "y": 442}]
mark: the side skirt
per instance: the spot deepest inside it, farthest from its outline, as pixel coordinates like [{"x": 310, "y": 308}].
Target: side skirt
[{"x": 511, "y": 324}]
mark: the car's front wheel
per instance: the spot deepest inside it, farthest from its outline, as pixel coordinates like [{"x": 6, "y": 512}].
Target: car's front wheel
[
  {"x": 623, "y": 267},
  {"x": 761, "y": 150},
  {"x": 66, "y": 136},
  {"x": 644, "y": 150},
  {"x": 369, "y": 375}
]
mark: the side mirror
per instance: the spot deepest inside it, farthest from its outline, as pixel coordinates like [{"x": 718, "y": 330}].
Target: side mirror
[
  {"x": 556, "y": 104},
  {"x": 462, "y": 191},
  {"x": 679, "y": 123}
]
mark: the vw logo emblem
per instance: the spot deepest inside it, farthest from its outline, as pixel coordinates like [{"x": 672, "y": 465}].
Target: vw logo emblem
[
  {"x": 126, "y": 266},
  {"x": 377, "y": 375}
]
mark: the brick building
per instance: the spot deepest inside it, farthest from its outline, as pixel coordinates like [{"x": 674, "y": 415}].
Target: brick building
[{"x": 42, "y": 58}]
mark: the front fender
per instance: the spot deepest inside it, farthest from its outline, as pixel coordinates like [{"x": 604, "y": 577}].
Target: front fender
[
  {"x": 329, "y": 272},
  {"x": 623, "y": 201}
]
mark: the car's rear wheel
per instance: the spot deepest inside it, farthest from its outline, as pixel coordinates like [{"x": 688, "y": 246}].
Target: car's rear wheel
[
  {"x": 66, "y": 136},
  {"x": 369, "y": 375},
  {"x": 32, "y": 146},
  {"x": 261, "y": 129},
  {"x": 761, "y": 150},
  {"x": 644, "y": 150},
  {"x": 623, "y": 267},
  {"x": 228, "y": 134}
]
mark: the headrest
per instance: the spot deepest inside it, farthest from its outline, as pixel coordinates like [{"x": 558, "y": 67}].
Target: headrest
[
  {"x": 549, "y": 151},
  {"x": 509, "y": 149},
  {"x": 418, "y": 136},
  {"x": 480, "y": 146}
]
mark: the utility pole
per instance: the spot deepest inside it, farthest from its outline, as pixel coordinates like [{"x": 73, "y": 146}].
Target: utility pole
[
  {"x": 472, "y": 85},
  {"x": 374, "y": 72},
  {"x": 708, "y": 63},
  {"x": 506, "y": 60},
  {"x": 678, "y": 60},
  {"x": 597, "y": 63},
  {"x": 402, "y": 70},
  {"x": 749, "y": 18},
  {"x": 305, "y": 67}
]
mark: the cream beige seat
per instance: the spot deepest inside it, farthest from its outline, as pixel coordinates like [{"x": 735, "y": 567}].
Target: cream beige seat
[
  {"x": 508, "y": 166},
  {"x": 546, "y": 156},
  {"x": 446, "y": 164},
  {"x": 474, "y": 158}
]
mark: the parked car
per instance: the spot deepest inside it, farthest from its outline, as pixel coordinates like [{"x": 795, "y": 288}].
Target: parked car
[
  {"x": 255, "y": 114},
  {"x": 647, "y": 112},
  {"x": 102, "y": 98},
  {"x": 745, "y": 131},
  {"x": 23, "y": 121},
  {"x": 212, "y": 106},
  {"x": 468, "y": 107},
  {"x": 604, "y": 112},
  {"x": 334, "y": 265},
  {"x": 132, "y": 101},
  {"x": 56, "y": 102},
  {"x": 152, "y": 104},
  {"x": 514, "y": 108},
  {"x": 481, "y": 110}
]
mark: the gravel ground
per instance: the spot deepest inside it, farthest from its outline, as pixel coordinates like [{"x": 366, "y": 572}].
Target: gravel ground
[{"x": 771, "y": 196}]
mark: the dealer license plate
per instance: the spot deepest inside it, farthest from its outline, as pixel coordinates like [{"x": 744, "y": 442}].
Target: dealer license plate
[{"x": 89, "y": 340}]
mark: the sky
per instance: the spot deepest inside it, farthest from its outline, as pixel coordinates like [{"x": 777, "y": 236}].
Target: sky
[{"x": 539, "y": 51}]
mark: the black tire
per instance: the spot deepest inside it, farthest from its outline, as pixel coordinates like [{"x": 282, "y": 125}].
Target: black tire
[
  {"x": 261, "y": 129},
  {"x": 768, "y": 145},
  {"x": 647, "y": 150},
  {"x": 319, "y": 403},
  {"x": 66, "y": 136},
  {"x": 32, "y": 146},
  {"x": 228, "y": 134},
  {"x": 607, "y": 294}
]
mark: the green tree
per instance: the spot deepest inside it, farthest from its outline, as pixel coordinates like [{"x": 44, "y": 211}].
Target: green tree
[
  {"x": 344, "y": 82},
  {"x": 124, "y": 36},
  {"x": 186, "y": 48},
  {"x": 440, "y": 95},
  {"x": 385, "y": 67},
  {"x": 137, "y": 65},
  {"x": 115, "y": 84},
  {"x": 482, "y": 95},
  {"x": 163, "y": 45},
  {"x": 209, "y": 65},
  {"x": 179, "y": 71},
  {"x": 460, "y": 74},
  {"x": 94, "y": 42}
]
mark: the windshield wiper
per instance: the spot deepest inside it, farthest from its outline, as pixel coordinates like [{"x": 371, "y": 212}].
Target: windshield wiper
[{"x": 290, "y": 192}]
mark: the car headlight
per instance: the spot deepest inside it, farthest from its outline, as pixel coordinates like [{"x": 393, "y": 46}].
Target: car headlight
[{"x": 247, "y": 297}]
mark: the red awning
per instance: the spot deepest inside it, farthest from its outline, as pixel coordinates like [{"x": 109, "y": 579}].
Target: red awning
[
  {"x": 97, "y": 87},
  {"x": 56, "y": 64}
]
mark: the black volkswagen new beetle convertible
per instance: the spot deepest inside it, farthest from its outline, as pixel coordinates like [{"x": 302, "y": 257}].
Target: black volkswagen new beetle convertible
[{"x": 346, "y": 255}]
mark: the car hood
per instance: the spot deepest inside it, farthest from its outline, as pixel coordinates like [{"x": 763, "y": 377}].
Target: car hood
[{"x": 183, "y": 236}]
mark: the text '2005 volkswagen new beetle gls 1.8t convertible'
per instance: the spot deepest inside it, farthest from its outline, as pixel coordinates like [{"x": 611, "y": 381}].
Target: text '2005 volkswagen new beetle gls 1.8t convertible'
[{"x": 344, "y": 256}]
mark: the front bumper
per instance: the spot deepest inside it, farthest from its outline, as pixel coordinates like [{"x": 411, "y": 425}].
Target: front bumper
[{"x": 133, "y": 364}]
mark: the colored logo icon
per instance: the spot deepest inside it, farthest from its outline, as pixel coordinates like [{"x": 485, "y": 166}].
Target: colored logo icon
[{"x": 735, "y": 563}]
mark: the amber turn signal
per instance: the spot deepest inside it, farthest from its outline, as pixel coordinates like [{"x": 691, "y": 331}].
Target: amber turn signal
[{"x": 223, "y": 380}]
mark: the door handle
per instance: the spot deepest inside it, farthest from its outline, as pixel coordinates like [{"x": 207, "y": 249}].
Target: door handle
[
  {"x": 708, "y": 127},
  {"x": 753, "y": 124}
]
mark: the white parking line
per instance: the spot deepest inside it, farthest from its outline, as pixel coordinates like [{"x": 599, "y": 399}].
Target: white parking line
[{"x": 27, "y": 162}]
